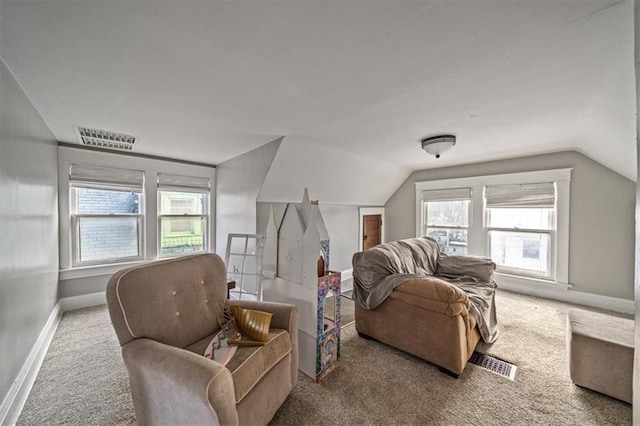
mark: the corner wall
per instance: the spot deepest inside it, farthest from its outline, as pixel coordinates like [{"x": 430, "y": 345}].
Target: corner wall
[
  {"x": 28, "y": 227},
  {"x": 238, "y": 184},
  {"x": 601, "y": 234}
]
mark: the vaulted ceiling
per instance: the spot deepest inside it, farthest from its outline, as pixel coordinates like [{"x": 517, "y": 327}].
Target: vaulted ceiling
[{"x": 353, "y": 86}]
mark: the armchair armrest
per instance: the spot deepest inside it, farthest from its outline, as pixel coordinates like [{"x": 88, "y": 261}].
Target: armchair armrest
[
  {"x": 285, "y": 316},
  {"x": 173, "y": 383},
  {"x": 434, "y": 294},
  {"x": 451, "y": 265}
]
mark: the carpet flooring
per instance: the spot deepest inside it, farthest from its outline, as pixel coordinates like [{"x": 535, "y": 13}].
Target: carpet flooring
[
  {"x": 347, "y": 311},
  {"x": 83, "y": 380}
]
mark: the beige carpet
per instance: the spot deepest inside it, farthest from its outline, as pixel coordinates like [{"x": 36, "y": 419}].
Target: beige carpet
[
  {"x": 347, "y": 311},
  {"x": 83, "y": 380}
]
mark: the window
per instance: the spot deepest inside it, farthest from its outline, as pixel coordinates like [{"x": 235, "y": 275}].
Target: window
[
  {"x": 182, "y": 214},
  {"x": 520, "y": 228},
  {"x": 106, "y": 214},
  {"x": 520, "y": 220},
  {"x": 447, "y": 218}
]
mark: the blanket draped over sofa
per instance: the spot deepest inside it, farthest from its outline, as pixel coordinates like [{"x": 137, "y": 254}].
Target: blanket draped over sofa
[{"x": 383, "y": 268}]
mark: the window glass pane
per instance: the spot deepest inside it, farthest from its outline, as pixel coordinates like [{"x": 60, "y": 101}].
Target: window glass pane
[
  {"x": 525, "y": 218},
  {"x": 106, "y": 201},
  {"x": 104, "y": 238},
  {"x": 181, "y": 234},
  {"x": 181, "y": 203},
  {"x": 448, "y": 213},
  {"x": 453, "y": 241},
  {"x": 524, "y": 252}
]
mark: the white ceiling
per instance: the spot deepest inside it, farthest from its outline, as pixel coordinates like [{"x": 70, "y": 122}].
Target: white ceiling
[{"x": 352, "y": 86}]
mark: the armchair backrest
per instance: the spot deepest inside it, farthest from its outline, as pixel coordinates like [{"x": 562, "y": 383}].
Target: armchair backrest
[
  {"x": 171, "y": 301},
  {"x": 410, "y": 256}
]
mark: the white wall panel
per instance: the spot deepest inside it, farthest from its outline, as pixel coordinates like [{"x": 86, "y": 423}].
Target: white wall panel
[
  {"x": 237, "y": 186},
  {"x": 332, "y": 175},
  {"x": 28, "y": 227}
]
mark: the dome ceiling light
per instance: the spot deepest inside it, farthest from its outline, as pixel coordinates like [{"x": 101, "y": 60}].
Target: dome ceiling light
[{"x": 437, "y": 145}]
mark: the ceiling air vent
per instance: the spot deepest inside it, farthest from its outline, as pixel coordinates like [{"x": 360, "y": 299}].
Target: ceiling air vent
[{"x": 105, "y": 139}]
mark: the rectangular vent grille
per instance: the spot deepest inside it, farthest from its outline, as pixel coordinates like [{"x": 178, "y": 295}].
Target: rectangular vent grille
[
  {"x": 105, "y": 139},
  {"x": 494, "y": 365}
]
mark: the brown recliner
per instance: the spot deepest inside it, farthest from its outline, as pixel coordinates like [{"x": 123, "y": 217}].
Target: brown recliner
[
  {"x": 424, "y": 314},
  {"x": 164, "y": 314}
]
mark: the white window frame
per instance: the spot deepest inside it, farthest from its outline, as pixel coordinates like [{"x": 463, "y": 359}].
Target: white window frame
[
  {"x": 477, "y": 236},
  {"x": 534, "y": 231},
  {"x": 181, "y": 185},
  {"x": 425, "y": 214},
  {"x": 151, "y": 167},
  {"x": 83, "y": 175},
  {"x": 75, "y": 229}
]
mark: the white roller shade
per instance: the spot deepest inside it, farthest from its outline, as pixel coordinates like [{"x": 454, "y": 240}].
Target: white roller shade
[
  {"x": 167, "y": 182},
  {"x": 86, "y": 175},
  {"x": 539, "y": 195},
  {"x": 447, "y": 194}
]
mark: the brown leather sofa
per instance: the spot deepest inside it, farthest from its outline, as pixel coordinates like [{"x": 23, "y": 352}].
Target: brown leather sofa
[
  {"x": 427, "y": 308},
  {"x": 164, "y": 314}
]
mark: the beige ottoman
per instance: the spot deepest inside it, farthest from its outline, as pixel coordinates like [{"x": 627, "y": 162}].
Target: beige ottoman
[{"x": 600, "y": 349}]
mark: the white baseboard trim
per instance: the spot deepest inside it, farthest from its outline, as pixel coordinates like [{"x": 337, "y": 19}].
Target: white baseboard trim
[
  {"x": 83, "y": 301},
  {"x": 19, "y": 391},
  {"x": 347, "y": 280},
  {"x": 563, "y": 294}
]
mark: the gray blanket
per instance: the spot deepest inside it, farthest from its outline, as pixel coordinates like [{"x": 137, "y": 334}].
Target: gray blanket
[{"x": 379, "y": 270}]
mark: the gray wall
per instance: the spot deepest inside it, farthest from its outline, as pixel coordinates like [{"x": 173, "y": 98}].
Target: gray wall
[
  {"x": 601, "y": 242},
  {"x": 28, "y": 227},
  {"x": 342, "y": 225},
  {"x": 636, "y": 364},
  {"x": 238, "y": 183}
]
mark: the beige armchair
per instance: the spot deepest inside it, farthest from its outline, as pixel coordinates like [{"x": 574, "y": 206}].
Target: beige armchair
[{"x": 164, "y": 314}]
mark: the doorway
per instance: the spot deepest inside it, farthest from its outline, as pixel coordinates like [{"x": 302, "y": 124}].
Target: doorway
[{"x": 371, "y": 232}]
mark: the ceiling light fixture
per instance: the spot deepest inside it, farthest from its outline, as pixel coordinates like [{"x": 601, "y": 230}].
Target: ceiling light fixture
[
  {"x": 437, "y": 145},
  {"x": 105, "y": 139}
]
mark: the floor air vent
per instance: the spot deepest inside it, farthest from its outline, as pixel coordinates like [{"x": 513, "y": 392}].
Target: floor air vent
[{"x": 494, "y": 365}]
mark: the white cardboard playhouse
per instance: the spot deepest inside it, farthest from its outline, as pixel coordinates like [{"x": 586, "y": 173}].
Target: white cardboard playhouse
[{"x": 296, "y": 269}]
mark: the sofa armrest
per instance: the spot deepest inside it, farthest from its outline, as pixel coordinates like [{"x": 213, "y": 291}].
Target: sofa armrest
[
  {"x": 173, "y": 383},
  {"x": 285, "y": 316},
  {"x": 451, "y": 265},
  {"x": 433, "y": 294}
]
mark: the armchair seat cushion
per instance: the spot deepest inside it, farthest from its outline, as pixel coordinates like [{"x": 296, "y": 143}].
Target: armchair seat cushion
[{"x": 251, "y": 363}]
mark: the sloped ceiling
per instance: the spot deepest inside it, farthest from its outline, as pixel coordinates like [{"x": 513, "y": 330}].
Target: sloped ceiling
[{"x": 352, "y": 86}]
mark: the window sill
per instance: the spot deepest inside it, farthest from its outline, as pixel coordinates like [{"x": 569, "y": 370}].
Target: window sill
[
  {"x": 95, "y": 270},
  {"x": 518, "y": 282},
  {"x": 111, "y": 268}
]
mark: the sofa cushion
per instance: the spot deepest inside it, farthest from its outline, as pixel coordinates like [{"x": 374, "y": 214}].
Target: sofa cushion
[{"x": 251, "y": 363}]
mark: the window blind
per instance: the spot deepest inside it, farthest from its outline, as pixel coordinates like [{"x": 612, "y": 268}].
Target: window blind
[
  {"x": 539, "y": 195},
  {"x": 447, "y": 194},
  {"x": 86, "y": 175},
  {"x": 168, "y": 182}
]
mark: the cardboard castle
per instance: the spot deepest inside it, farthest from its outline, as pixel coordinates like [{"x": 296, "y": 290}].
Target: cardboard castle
[{"x": 296, "y": 268}]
